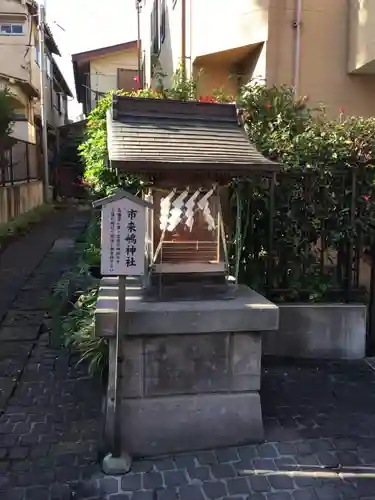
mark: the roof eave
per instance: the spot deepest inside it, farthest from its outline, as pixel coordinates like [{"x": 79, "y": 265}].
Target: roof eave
[
  {"x": 81, "y": 57},
  {"x": 61, "y": 80},
  {"x": 229, "y": 169},
  {"x": 79, "y": 82},
  {"x": 51, "y": 43}
]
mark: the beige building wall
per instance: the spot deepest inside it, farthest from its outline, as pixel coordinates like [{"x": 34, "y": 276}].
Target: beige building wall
[
  {"x": 103, "y": 70},
  {"x": 362, "y": 39},
  {"x": 13, "y": 56},
  {"x": 257, "y": 39},
  {"x": 226, "y": 25},
  {"x": 323, "y": 74}
]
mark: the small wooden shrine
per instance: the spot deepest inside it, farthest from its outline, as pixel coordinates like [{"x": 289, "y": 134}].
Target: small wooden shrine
[
  {"x": 189, "y": 357},
  {"x": 186, "y": 152}
]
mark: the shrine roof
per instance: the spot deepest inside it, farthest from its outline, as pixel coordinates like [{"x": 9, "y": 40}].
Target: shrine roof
[
  {"x": 119, "y": 194},
  {"x": 157, "y": 135}
]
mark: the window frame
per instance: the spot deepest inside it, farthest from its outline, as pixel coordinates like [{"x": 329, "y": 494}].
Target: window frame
[
  {"x": 19, "y": 117},
  {"x": 2, "y": 33},
  {"x": 162, "y": 24},
  {"x": 49, "y": 67},
  {"x": 155, "y": 29},
  {"x": 37, "y": 52}
]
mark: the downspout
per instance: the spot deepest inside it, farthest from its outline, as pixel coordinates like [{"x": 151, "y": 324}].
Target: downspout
[
  {"x": 297, "y": 52},
  {"x": 183, "y": 40},
  {"x": 190, "y": 38}
]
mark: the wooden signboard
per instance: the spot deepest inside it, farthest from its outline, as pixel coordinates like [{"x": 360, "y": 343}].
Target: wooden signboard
[
  {"x": 123, "y": 247},
  {"x": 123, "y": 237}
]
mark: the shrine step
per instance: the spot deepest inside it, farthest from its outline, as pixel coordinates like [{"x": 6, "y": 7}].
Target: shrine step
[{"x": 192, "y": 279}]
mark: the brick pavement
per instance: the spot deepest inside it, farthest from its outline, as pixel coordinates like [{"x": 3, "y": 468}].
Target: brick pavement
[
  {"x": 320, "y": 445},
  {"x": 319, "y": 421}
]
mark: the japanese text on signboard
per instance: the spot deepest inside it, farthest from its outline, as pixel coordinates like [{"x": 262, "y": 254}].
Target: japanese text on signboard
[
  {"x": 123, "y": 239},
  {"x": 131, "y": 238}
]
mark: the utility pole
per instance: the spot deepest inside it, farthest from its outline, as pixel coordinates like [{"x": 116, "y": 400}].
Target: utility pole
[
  {"x": 183, "y": 40},
  {"x": 139, "y": 54},
  {"x": 43, "y": 109}
]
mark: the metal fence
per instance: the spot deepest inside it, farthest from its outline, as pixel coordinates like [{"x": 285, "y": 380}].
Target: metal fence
[
  {"x": 304, "y": 233},
  {"x": 19, "y": 164}
]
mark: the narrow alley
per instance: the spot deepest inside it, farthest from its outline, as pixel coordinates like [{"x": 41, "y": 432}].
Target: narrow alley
[{"x": 43, "y": 394}]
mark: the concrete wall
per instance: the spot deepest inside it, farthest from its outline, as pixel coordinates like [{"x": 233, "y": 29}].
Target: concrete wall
[
  {"x": 19, "y": 198},
  {"x": 336, "y": 331}
]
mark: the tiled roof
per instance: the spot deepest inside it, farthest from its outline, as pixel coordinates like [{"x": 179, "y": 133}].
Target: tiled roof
[{"x": 182, "y": 133}]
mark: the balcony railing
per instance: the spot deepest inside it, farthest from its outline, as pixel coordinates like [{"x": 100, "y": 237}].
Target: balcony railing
[{"x": 19, "y": 164}]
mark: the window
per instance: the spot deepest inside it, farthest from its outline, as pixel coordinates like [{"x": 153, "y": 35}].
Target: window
[
  {"x": 64, "y": 104},
  {"x": 19, "y": 114},
  {"x": 127, "y": 79},
  {"x": 49, "y": 67},
  {"x": 162, "y": 21},
  {"x": 155, "y": 32},
  {"x": 61, "y": 103},
  {"x": 11, "y": 29},
  {"x": 37, "y": 52}
]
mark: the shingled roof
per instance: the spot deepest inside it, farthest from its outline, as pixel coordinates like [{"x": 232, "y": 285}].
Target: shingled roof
[{"x": 159, "y": 135}]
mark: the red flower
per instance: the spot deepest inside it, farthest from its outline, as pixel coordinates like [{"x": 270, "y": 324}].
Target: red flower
[
  {"x": 267, "y": 106},
  {"x": 342, "y": 111},
  {"x": 136, "y": 79},
  {"x": 366, "y": 197},
  {"x": 207, "y": 98}
]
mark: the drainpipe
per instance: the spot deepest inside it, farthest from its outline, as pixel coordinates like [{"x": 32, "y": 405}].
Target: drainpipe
[
  {"x": 297, "y": 52},
  {"x": 183, "y": 40}
]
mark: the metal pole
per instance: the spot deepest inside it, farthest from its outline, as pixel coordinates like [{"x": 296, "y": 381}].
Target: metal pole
[
  {"x": 43, "y": 109},
  {"x": 140, "y": 76},
  {"x": 183, "y": 40}
]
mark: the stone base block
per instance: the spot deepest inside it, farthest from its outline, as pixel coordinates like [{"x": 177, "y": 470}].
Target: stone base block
[
  {"x": 164, "y": 425},
  {"x": 190, "y": 370},
  {"x": 333, "y": 331}
]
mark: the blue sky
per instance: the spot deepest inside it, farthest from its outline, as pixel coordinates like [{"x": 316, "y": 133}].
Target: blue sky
[{"x": 88, "y": 24}]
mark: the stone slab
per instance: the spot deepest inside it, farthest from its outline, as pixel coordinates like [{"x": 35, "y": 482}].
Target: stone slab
[
  {"x": 19, "y": 332},
  {"x": 190, "y": 364},
  {"x": 19, "y": 318},
  {"x": 63, "y": 245},
  {"x": 249, "y": 311},
  {"x": 336, "y": 331},
  {"x": 155, "y": 426}
]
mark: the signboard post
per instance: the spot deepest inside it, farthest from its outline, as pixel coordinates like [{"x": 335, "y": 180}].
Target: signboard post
[{"x": 123, "y": 246}]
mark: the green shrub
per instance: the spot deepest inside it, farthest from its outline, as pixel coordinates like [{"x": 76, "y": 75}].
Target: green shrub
[
  {"x": 23, "y": 223},
  {"x": 72, "y": 305},
  {"x": 79, "y": 332}
]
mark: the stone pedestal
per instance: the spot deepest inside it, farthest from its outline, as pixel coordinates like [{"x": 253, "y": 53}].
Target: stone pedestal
[{"x": 190, "y": 370}]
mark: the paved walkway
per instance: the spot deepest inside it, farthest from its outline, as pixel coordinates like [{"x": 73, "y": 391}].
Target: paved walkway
[
  {"x": 319, "y": 417},
  {"x": 46, "y": 431}
]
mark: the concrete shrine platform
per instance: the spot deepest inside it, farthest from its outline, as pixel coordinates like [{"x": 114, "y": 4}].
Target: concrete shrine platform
[
  {"x": 190, "y": 369},
  {"x": 146, "y": 317}
]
